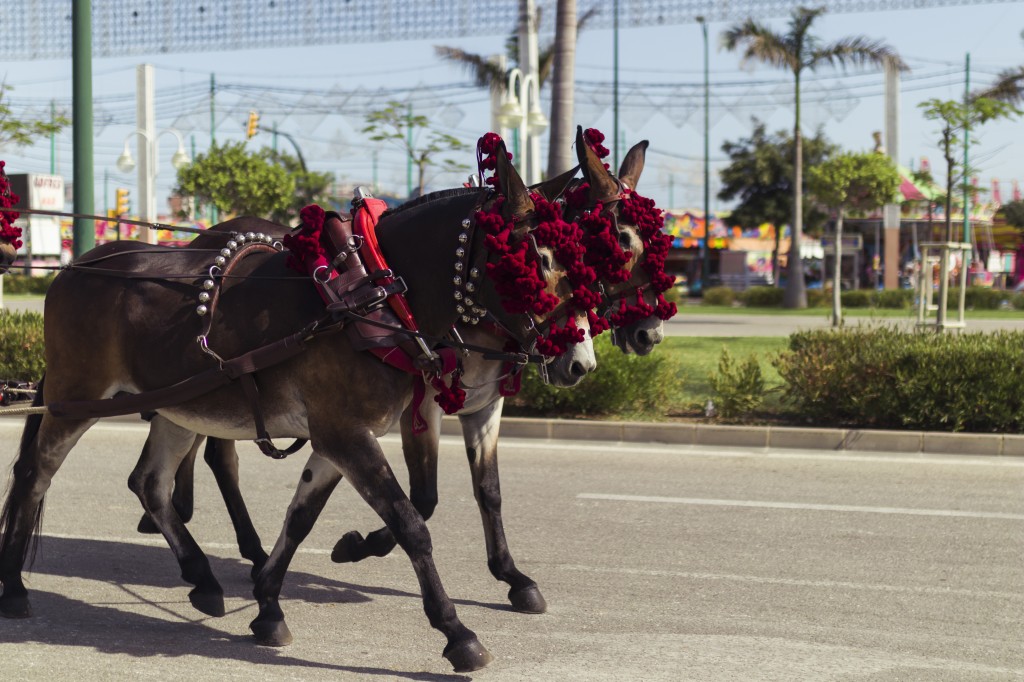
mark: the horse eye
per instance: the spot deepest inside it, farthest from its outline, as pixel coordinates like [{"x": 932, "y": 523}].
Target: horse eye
[
  {"x": 624, "y": 241},
  {"x": 545, "y": 261}
]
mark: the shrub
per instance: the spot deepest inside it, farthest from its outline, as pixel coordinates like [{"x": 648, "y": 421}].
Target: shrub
[
  {"x": 886, "y": 378},
  {"x": 979, "y": 298},
  {"x": 719, "y": 296},
  {"x": 27, "y": 284},
  {"x": 1017, "y": 301},
  {"x": 819, "y": 298},
  {"x": 762, "y": 297},
  {"x": 738, "y": 388},
  {"x": 21, "y": 346},
  {"x": 894, "y": 298},
  {"x": 674, "y": 295},
  {"x": 856, "y": 298},
  {"x": 620, "y": 384}
]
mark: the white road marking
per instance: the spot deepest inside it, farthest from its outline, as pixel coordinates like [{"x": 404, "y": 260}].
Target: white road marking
[
  {"x": 160, "y": 542},
  {"x": 792, "y": 582},
  {"x": 760, "y": 504}
]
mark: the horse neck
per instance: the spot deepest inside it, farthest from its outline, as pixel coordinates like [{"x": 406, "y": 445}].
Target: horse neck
[{"x": 419, "y": 244}]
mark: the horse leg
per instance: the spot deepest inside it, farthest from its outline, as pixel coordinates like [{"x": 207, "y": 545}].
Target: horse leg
[
  {"x": 480, "y": 431},
  {"x": 183, "y": 497},
  {"x": 222, "y": 457},
  {"x": 420, "y": 450},
  {"x": 45, "y": 442},
  {"x": 319, "y": 479},
  {"x": 153, "y": 480}
]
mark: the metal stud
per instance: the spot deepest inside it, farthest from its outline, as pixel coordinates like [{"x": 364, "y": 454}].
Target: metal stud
[
  {"x": 238, "y": 237},
  {"x": 204, "y": 297},
  {"x": 479, "y": 311},
  {"x": 463, "y": 237},
  {"x": 469, "y": 301},
  {"x": 470, "y": 286},
  {"x": 458, "y": 295},
  {"x": 232, "y": 245},
  {"x": 458, "y": 266},
  {"x": 250, "y": 236},
  {"x": 219, "y": 261},
  {"x": 465, "y": 318},
  {"x": 474, "y": 273},
  {"x": 460, "y": 309},
  {"x": 202, "y": 310},
  {"x": 260, "y": 237},
  {"x": 466, "y": 222},
  {"x": 226, "y": 253},
  {"x": 457, "y": 280},
  {"x": 208, "y": 284},
  {"x": 474, "y": 320},
  {"x": 460, "y": 252}
]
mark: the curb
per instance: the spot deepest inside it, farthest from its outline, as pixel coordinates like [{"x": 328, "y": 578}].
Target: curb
[{"x": 852, "y": 440}]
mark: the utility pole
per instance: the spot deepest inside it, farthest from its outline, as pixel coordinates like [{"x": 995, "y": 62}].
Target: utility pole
[
  {"x": 615, "y": 85},
  {"x": 81, "y": 67},
  {"x": 145, "y": 121},
  {"x": 705, "y": 277},
  {"x": 891, "y": 212},
  {"x": 213, "y": 139}
]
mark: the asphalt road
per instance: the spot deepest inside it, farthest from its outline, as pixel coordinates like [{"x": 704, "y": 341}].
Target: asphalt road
[{"x": 657, "y": 562}]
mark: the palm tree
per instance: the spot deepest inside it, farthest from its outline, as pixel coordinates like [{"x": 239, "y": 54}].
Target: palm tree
[
  {"x": 798, "y": 50},
  {"x": 1008, "y": 86}
]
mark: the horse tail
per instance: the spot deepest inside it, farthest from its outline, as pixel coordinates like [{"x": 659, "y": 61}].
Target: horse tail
[{"x": 21, "y": 470}]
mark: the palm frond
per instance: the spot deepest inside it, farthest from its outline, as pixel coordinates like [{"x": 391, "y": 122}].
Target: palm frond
[
  {"x": 1009, "y": 87},
  {"x": 857, "y": 51},
  {"x": 761, "y": 44},
  {"x": 485, "y": 73}
]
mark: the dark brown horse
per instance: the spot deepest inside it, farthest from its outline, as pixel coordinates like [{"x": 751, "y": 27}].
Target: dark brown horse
[
  {"x": 118, "y": 312},
  {"x": 480, "y": 418}
]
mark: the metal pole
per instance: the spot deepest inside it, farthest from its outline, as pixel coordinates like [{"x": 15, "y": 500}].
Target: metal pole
[
  {"x": 145, "y": 119},
  {"x": 615, "y": 85},
  {"x": 81, "y": 66},
  {"x": 53, "y": 140},
  {"x": 705, "y": 277},
  {"x": 408, "y": 159},
  {"x": 213, "y": 139},
  {"x": 967, "y": 144}
]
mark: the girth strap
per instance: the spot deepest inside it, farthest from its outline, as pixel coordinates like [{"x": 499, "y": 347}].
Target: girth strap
[{"x": 252, "y": 392}]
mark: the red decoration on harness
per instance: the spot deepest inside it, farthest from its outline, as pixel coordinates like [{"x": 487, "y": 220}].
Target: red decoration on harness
[
  {"x": 8, "y": 231},
  {"x": 594, "y": 137}
]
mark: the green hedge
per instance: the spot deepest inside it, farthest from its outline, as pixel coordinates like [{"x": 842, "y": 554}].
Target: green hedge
[
  {"x": 26, "y": 284},
  {"x": 719, "y": 296},
  {"x": 887, "y": 378},
  {"x": 21, "y": 346},
  {"x": 621, "y": 384},
  {"x": 762, "y": 297}
]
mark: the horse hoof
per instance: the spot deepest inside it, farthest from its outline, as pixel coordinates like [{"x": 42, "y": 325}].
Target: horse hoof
[
  {"x": 210, "y": 603},
  {"x": 271, "y": 632},
  {"x": 350, "y": 548},
  {"x": 146, "y": 525},
  {"x": 15, "y": 607},
  {"x": 468, "y": 656},
  {"x": 528, "y": 600}
]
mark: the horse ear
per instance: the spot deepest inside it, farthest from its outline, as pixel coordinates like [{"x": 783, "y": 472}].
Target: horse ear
[
  {"x": 602, "y": 184},
  {"x": 517, "y": 196},
  {"x": 553, "y": 188},
  {"x": 633, "y": 164}
]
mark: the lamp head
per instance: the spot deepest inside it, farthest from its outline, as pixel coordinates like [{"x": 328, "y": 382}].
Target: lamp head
[{"x": 125, "y": 162}]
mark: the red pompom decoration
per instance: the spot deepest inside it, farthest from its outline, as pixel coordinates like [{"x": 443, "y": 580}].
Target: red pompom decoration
[{"x": 8, "y": 231}]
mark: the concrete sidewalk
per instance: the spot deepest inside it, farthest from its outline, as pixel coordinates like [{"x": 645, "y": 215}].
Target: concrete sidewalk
[{"x": 855, "y": 440}]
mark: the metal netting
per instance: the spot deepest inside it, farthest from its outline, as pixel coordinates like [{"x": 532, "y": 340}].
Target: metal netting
[{"x": 41, "y": 29}]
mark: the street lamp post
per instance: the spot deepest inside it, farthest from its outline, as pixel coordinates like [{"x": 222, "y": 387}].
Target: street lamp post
[
  {"x": 149, "y": 170},
  {"x": 706, "y": 255},
  {"x": 521, "y": 111}
]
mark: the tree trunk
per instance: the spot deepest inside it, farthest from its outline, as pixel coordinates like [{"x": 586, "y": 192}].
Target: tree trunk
[
  {"x": 560, "y": 156},
  {"x": 837, "y": 276},
  {"x": 795, "y": 295}
]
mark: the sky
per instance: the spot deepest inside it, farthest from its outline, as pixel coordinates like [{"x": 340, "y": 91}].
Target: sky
[{"x": 661, "y": 90}]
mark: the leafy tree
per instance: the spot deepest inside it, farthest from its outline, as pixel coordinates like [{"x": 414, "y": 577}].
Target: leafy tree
[
  {"x": 395, "y": 124},
  {"x": 798, "y": 50},
  {"x": 237, "y": 181},
  {"x": 851, "y": 182},
  {"x": 760, "y": 175},
  {"x": 955, "y": 119},
  {"x": 1013, "y": 212},
  {"x": 311, "y": 187},
  {"x": 21, "y": 132}
]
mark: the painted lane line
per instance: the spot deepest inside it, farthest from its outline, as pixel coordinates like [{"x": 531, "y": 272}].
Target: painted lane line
[
  {"x": 759, "y": 504},
  {"x": 792, "y": 582},
  {"x": 160, "y": 542}
]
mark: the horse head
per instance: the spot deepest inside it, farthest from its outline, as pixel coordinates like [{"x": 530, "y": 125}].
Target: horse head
[
  {"x": 10, "y": 236},
  {"x": 634, "y": 248},
  {"x": 531, "y": 266}
]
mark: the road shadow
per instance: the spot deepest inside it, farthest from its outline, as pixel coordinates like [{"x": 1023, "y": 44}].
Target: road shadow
[{"x": 109, "y": 630}]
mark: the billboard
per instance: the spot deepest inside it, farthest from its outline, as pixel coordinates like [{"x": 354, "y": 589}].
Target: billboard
[{"x": 42, "y": 192}]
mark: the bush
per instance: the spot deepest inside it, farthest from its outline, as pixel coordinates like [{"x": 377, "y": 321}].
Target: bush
[
  {"x": 894, "y": 298},
  {"x": 887, "y": 378},
  {"x": 719, "y": 296},
  {"x": 620, "y": 384},
  {"x": 27, "y": 284},
  {"x": 1017, "y": 301},
  {"x": 762, "y": 297},
  {"x": 674, "y": 295},
  {"x": 738, "y": 388},
  {"x": 819, "y": 298},
  {"x": 856, "y": 298},
  {"x": 978, "y": 298},
  {"x": 21, "y": 346}
]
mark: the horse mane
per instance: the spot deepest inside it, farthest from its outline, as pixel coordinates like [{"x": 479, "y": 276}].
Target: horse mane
[{"x": 431, "y": 197}]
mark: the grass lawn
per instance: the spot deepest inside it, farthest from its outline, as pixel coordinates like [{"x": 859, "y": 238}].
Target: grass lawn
[
  {"x": 697, "y": 357},
  {"x": 880, "y": 313}
]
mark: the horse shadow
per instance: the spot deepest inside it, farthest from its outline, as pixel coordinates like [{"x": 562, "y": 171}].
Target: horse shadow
[
  {"x": 154, "y": 565},
  {"x": 109, "y": 630}
]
